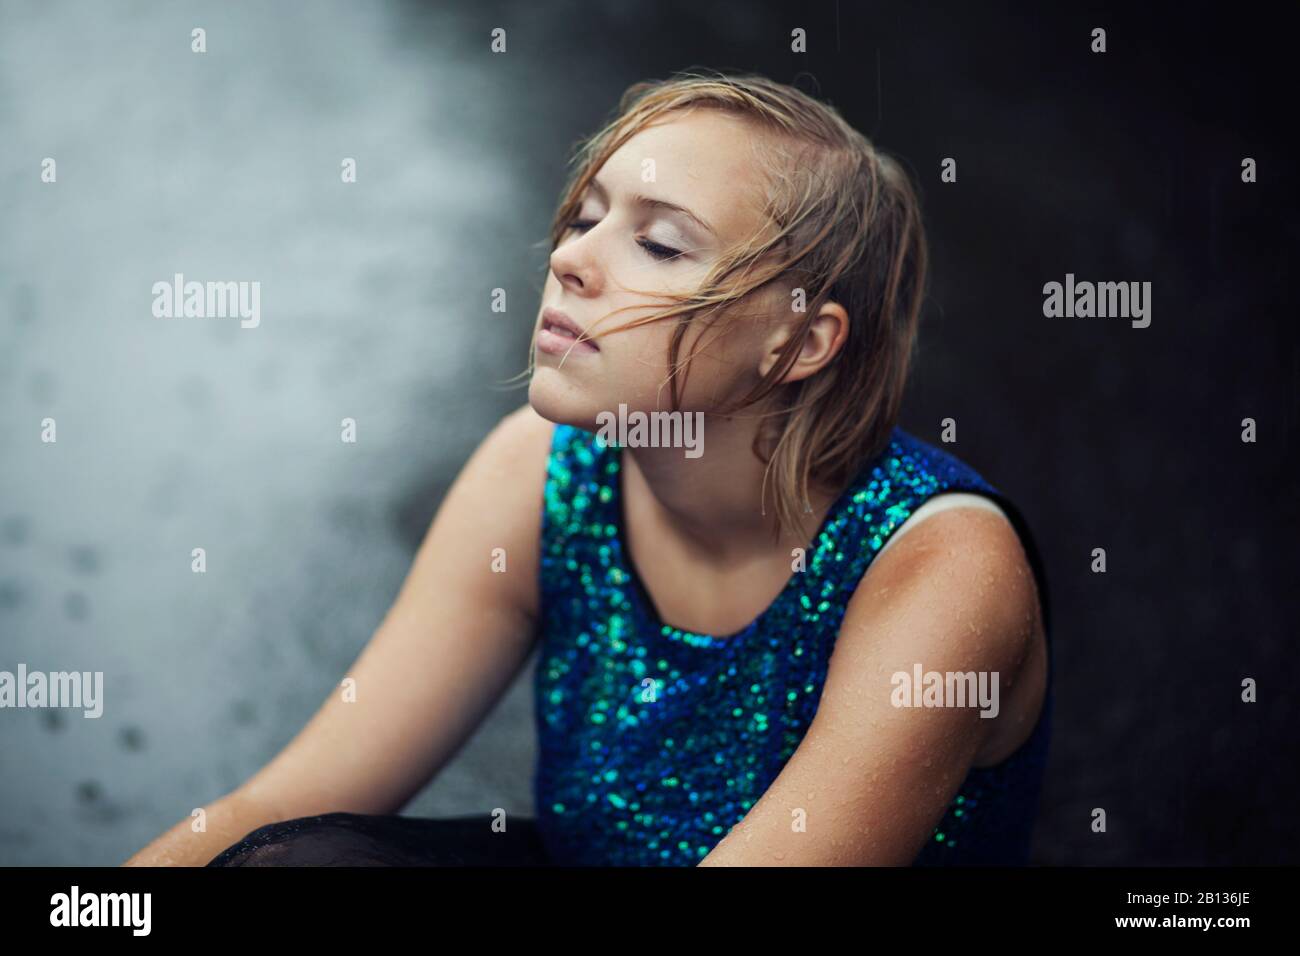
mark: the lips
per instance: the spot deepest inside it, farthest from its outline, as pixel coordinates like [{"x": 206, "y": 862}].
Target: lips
[{"x": 559, "y": 333}]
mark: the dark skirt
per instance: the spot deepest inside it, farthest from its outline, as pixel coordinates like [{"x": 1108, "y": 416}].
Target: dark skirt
[{"x": 354, "y": 839}]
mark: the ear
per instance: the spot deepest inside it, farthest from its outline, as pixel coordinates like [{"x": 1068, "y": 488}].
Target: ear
[{"x": 826, "y": 336}]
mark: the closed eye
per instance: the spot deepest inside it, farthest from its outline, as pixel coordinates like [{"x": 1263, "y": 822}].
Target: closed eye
[{"x": 653, "y": 249}]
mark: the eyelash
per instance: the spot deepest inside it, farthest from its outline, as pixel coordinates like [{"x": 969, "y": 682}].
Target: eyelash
[{"x": 653, "y": 249}]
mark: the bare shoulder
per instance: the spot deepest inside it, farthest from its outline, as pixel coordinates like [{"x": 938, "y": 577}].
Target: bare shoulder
[
  {"x": 521, "y": 435},
  {"x": 509, "y": 465},
  {"x": 494, "y": 507},
  {"x": 955, "y": 594},
  {"x": 964, "y": 561}
]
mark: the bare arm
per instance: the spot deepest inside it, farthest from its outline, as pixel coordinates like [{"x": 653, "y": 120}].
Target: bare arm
[
  {"x": 225, "y": 821},
  {"x": 444, "y": 653}
]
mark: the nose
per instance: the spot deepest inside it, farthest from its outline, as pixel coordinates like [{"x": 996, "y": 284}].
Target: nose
[{"x": 575, "y": 266}]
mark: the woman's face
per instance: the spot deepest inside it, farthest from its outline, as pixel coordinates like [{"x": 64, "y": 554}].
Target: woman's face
[{"x": 621, "y": 252}]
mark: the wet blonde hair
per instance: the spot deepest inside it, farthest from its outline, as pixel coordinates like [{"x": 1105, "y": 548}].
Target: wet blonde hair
[{"x": 847, "y": 229}]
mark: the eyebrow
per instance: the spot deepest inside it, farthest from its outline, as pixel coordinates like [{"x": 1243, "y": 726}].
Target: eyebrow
[{"x": 652, "y": 203}]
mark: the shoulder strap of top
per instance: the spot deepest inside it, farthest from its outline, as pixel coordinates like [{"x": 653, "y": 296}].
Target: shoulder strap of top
[
  {"x": 943, "y": 501},
  {"x": 578, "y": 490},
  {"x": 888, "y": 490}
]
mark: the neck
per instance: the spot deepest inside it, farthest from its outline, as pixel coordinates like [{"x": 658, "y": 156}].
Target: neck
[{"x": 714, "y": 503}]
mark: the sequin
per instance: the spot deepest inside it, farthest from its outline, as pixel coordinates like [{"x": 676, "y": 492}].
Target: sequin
[{"x": 654, "y": 741}]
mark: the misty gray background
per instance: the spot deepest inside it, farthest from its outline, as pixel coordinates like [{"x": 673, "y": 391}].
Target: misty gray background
[
  {"x": 175, "y": 434},
  {"x": 183, "y": 433}
]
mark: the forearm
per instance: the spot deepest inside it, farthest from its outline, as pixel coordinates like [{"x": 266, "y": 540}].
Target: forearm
[{"x": 226, "y": 821}]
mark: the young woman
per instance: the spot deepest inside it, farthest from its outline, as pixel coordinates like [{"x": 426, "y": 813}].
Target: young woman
[{"x": 734, "y": 635}]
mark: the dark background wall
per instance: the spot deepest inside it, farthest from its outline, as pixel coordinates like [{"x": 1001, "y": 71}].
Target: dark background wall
[{"x": 1118, "y": 166}]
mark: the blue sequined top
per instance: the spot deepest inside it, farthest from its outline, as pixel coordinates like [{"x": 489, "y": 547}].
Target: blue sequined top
[{"x": 653, "y": 742}]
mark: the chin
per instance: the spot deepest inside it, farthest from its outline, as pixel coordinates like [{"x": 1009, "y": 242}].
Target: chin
[{"x": 559, "y": 399}]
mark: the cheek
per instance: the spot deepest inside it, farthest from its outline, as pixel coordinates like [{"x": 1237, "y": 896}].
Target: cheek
[
  {"x": 719, "y": 372},
  {"x": 718, "y": 375},
  {"x": 636, "y": 365}
]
